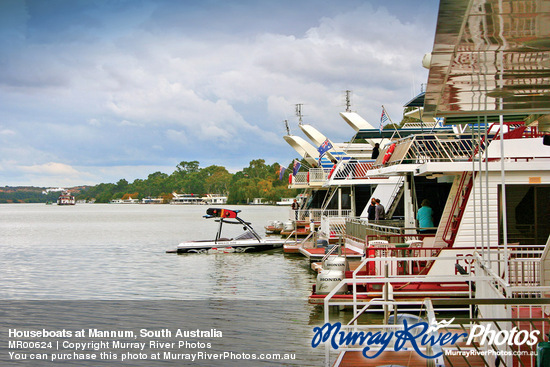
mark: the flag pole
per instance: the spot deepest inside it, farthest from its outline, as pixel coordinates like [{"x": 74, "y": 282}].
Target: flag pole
[{"x": 389, "y": 118}]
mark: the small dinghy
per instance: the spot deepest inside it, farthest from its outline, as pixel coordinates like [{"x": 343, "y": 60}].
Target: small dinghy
[{"x": 249, "y": 241}]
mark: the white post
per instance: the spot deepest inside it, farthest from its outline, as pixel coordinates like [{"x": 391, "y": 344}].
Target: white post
[
  {"x": 352, "y": 198},
  {"x": 410, "y": 217},
  {"x": 339, "y": 201}
]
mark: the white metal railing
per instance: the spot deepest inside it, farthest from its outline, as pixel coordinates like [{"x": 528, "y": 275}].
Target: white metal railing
[
  {"x": 523, "y": 276},
  {"x": 513, "y": 315},
  {"x": 312, "y": 176},
  {"x": 424, "y": 148},
  {"x": 333, "y": 227},
  {"x": 361, "y": 228},
  {"x": 300, "y": 178},
  {"x": 524, "y": 272},
  {"x": 318, "y": 175},
  {"x": 352, "y": 169},
  {"x": 317, "y": 214}
]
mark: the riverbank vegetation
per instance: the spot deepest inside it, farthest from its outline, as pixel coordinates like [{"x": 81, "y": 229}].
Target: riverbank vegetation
[{"x": 258, "y": 180}]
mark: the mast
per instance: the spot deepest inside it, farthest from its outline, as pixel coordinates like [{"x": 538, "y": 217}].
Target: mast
[
  {"x": 348, "y": 100},
  {"x": 299, "y": 112}
]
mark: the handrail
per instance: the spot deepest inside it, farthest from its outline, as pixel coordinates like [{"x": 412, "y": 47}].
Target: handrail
[
  {"x": 458, "y": 197},
  {"x": 426, "y": 309},
  {"x": 316, "y": 214},
  {"x": 329, "y": 253},
  {"x": 396, "y": 190},
  {"x": 302, "y": 242}
]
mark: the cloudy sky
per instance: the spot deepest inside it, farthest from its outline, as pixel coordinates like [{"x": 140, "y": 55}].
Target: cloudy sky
[{"x": 98, "y": 90}]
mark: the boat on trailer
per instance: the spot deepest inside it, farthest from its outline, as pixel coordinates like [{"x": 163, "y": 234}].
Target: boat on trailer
[{"x": 248, "y": 241}]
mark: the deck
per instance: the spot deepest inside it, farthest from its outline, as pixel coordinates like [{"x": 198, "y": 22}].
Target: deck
[{"x": 316, "y": 254}]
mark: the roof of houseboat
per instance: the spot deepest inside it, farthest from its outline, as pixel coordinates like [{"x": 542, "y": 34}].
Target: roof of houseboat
[{"x": 490, "y": 60}]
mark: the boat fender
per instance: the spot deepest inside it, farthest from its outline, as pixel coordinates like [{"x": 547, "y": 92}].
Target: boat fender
[
  {"x": 290, "y": 179},
  {"x": 371, "y": 268},
  {"x": 331, "y": 171},
  {"x": 308, "y": 176},
  {"x": 388, "y": 154}
]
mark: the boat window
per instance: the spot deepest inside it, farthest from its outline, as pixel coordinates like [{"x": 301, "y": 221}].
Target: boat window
[{"x": 528, "y": 214}]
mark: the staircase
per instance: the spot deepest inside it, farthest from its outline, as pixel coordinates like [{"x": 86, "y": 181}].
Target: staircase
[
  {"x": 395, "y": 197},
  {"x": 456, "y": 213}
]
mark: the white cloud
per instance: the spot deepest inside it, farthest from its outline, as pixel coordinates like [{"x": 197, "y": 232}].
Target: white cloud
[
  {"x": 113, "y": 93},
  {"x": 94, "y": 122},
  {"x": 7, "y": 132},
  {"x": 51, "y": 168}
]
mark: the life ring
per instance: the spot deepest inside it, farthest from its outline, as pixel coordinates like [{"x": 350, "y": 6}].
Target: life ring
[{"x": 388, "y": 154}]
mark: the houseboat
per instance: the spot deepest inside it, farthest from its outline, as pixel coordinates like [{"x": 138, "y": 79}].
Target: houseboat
[
  {"x": 186, "y": 199},
  {"x": 488, "y": 261},
  {"x": 66, "y": 199},
  {"x": 214, "y": 199}
]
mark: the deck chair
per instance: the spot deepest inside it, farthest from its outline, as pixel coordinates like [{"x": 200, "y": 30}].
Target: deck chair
[{"x": 376, "y": 243}]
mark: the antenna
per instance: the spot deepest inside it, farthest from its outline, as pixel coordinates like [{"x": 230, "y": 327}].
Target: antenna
[
  {"x": 287, "y": 128},
  {"x": 299, "y": 112},
  {"x": 348, "y": 100}
]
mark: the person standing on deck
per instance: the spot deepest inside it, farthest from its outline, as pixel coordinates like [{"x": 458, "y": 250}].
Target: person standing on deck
[
  {"x": 379, "y": 211},
  {"x": 425, "y": 217},
  {"x": 375, "y": 151},
  {"x": 295, "y": 206},
  {"x": 371, "y": 209}
]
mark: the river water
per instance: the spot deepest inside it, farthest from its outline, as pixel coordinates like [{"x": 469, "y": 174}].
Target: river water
[{"x": 104, "y": 266}]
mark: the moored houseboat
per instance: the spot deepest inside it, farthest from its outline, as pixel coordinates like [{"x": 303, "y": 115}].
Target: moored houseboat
[
  {"x": 66, "y": 198},
  {"x": 492, "y": 232}
]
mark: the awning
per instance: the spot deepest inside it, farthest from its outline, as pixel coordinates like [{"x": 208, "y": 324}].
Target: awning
[{"x": 490, "y": 57}]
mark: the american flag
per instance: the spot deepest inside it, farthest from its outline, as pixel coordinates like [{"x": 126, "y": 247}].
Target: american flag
[
  {"x": 325, "y": 147},
  {"x": 383, "y": 118}
]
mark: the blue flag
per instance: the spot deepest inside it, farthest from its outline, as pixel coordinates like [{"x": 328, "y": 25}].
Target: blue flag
[
  {"x": 296, "y": 167},
  {"x": 281, "y": 172},
  {"x": 383, "y": 119},
  {"x": 325, "y": 147}
]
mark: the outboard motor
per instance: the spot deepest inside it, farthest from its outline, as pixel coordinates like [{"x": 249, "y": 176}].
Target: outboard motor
[
  {"x": 322, "y": 243},
  {"x": 289, "y": 226},
  {"x": 335, "y": 263},
  {"x": 328, "y": 279},
  {"x": 278, "y": 225}
]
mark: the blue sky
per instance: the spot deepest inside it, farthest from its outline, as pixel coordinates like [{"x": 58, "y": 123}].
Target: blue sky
[{"x": 94, "y": 91}]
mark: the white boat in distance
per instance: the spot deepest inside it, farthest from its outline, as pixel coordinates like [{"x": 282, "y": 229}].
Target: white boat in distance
[
  {"x": 249, "y": 241},
  {"x": 66, "y": 199},
  {"x": 285, "y": 201}
]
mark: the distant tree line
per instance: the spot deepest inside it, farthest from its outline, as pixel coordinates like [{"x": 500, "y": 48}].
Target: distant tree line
[
  {"x": 26, "y": 195},
  {"x": 256, "y": 180}
]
